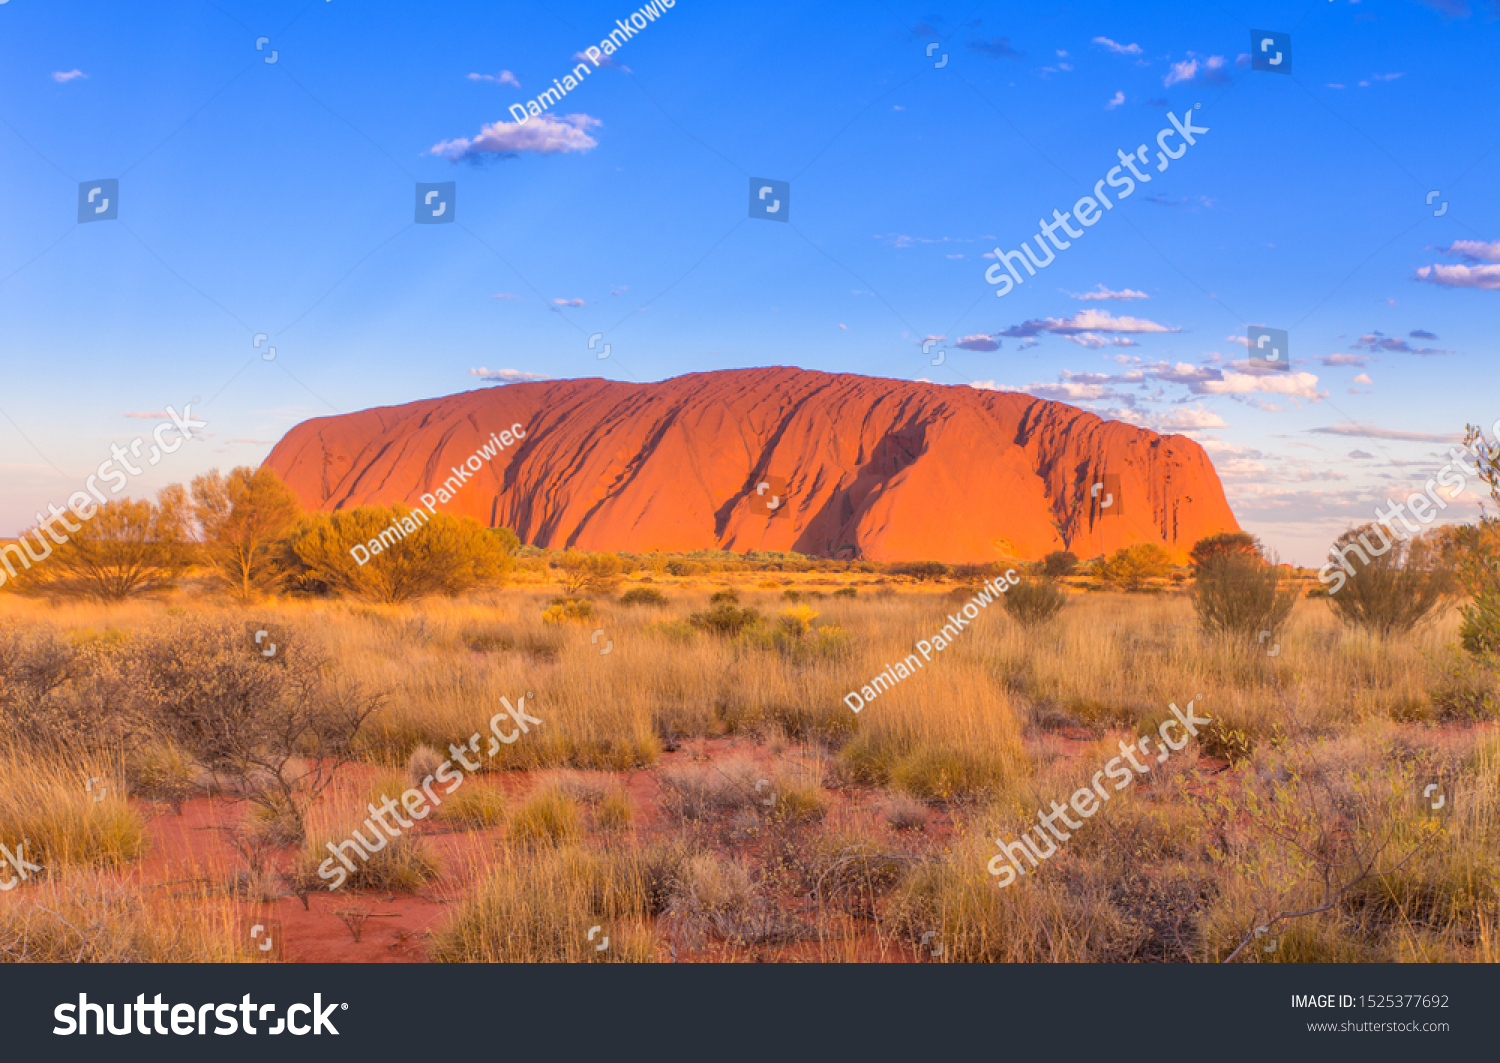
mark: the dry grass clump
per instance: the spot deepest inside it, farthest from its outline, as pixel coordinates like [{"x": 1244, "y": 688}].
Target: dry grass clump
[
  {"x": 539, "y": 906},
  {"x": 937, "y": 736},
  {"x": 48, "y": 805},
  {"x": 93, "y": 918},
  {"x": 903, "y": 812},
  {"x": 703, "y": 791},
  {"x": 401, "y": 864},
  {"x": 548, "y": 817},
  {"x": 714, "y": 897},
  {"x": 473, "y": 806}
]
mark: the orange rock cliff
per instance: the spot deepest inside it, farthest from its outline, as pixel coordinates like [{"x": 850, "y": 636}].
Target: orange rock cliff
[{"x": 887, "y": 470}]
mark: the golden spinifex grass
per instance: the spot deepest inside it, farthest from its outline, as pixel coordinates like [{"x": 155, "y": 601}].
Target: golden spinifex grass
[
  {"x": 66, "y": 809},
  {"x": 91, "y": 917},
  {"x": 1307, "y": 795}
]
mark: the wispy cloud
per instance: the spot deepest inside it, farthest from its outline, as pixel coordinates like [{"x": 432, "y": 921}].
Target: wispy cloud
[
  {"x": 996, "y": 48},
  {"x": 978, "y": 342},
  {"x": 1209, "y": 69},
  {"x": 506, "y": 376},
  {"x": 1100, "y": 293},
  {"x": 505, "y": 77},
  {"x": 1370, "y": 431},
  {"x": 1379, "y": 341},
  {"x": 62, "y": 77},
  {"x": 1121, "y": 49},
  {"x": 546, "y": 135},
  {"x": 1086, "y": 321},
  {"x": 1115, "y": 101},
  {"x": 604, "y": 60},
  {"x": 568, "y": 302}
]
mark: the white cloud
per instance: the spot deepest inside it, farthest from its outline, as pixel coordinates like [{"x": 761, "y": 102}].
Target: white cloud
[
  {"x": 505, "y": 77},
  {"x": 507, "y": 376},
  {"x": 1211, "y": 70},
  {"x": 1121, "y": 49},
  {"x": 1101, "y": 292},
  {"x": 546, "y": 135},
  {"x": 1474, "y": 250},
  {"x": 1115, "y": 101},
  {"x": 568, "y": 302},
  {"x": 1297, "y": 385},
  {"x": 62, "y": 77},
  {"x": 503, "y": 295},
  {"x": 604, "y": 60},
  {"x": 1086, "y": 321},
  {"x": 1182, "y": 419},
  {"x": 1486, "y": 277},
  {"x": 1363, "y": 378}
]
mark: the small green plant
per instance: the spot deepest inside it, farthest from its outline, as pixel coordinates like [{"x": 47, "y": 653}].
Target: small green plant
[
  {"x": 731, "y": 596},
  {"x": 845, "y": 592},
  {"x": 643, "y": 596},
  {"x": 1059, "y": 564},
  {"x": 725, "y": 619},
  {"x": 566, "y": 610},
  {"x": 1033, "y": 602}
]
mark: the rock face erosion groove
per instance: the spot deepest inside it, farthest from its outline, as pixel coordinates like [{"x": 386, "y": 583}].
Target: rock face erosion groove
[{"x": 887, "y": 470}]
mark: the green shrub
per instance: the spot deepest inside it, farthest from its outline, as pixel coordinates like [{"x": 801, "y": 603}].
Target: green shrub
[
  {"x": 845, "y": 592},
  {"x": 1033, "y": 601},
  {"x": 1238, "y": 594},
  {"x": 1059, "y": 564},
  {"x": 643, "y": 596},
  {"x": 1132, "y": 567},
  {"x": 921, "y": 571},
  {"x": 725, "y": 619},
  {"x": 562, "y": 610},
  {"x": 731, "y": 596},
  {"x": 1387, "y": 592}
]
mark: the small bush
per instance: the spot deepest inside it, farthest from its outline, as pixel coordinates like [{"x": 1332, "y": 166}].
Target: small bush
[
  {"x": 921, "y": 571},
  {"x": 1238, "y": 594},
  {"x": 792, "y": 596},
  {"x": 731, "y": 596},
  {"x": 1033, "y": 602},
  {"x": 568, "y": 610},
  {"x": 845, "y": 592},
  {"x": 1389, "y": 591},
  {"x": 588, "y": 573},
  {"x": 1133, "y": 567},
  {"x": 1213, "y": 548},
  {"x": 1059, "y": 564},
  {"x": 424, "y": 761},
  {"x": 643, "y": 596},
  {"x": 725, "y": 619}
]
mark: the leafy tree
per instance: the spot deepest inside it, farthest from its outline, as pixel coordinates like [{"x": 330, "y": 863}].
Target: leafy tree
[
  {"x": 1132, "y": 567},
  {"x": 1387, "y": 591},
  {"x": 1239, "y": 594},
  {"x": 1223, "y": 544},
  {"x": 1478, "y": 558},
  {"x": 588, "y": 573},
  {"x": 510, "y": 542},
  {"x": 126, "y": 548},
  {"x": 1059, "y": 564},
  {"x": 442, "y": 554},
  {"x": 243, "y": 517}
]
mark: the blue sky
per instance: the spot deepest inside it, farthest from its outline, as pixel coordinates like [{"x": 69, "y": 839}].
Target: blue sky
[{"x": 278, "y": 197}]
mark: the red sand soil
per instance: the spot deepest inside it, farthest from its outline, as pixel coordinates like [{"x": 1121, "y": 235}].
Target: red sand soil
[
  {"x": 887, "y": 470},
  {"x": 188, "y": 849}
]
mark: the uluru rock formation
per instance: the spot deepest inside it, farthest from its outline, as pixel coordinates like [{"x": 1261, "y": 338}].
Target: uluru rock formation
[{"x": 888, "y": 470}]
